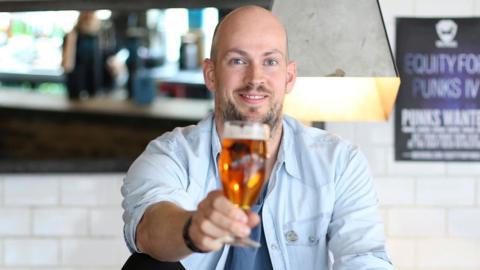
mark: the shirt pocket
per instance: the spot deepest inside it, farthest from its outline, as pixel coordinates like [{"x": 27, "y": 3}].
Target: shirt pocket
[{"x": 305, "y": 242}]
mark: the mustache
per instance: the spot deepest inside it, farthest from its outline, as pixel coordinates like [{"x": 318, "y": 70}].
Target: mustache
[{"x": 251, "y": 87}]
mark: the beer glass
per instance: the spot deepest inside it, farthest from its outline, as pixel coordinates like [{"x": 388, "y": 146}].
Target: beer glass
[{"x": 242, "y": 166}]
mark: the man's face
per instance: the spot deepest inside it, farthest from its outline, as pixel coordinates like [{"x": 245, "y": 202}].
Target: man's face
[{"x": 250, "y": 72}]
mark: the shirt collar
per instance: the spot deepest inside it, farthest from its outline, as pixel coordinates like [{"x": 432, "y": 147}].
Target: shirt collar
[
  {"x": 216, "y": 145},
  {"x": 287, "y": 153}
]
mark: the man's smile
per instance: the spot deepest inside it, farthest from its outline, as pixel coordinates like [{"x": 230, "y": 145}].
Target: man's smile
[{"x": 253, "y": 99}]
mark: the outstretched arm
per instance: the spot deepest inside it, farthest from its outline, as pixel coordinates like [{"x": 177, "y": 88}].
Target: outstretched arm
[{"x": 159, "y": 233}]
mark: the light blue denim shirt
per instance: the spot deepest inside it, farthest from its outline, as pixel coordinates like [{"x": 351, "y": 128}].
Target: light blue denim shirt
[{"x": 321, "y": 197}]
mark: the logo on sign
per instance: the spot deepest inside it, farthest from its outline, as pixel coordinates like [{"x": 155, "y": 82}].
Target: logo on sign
[{"x": 446, "y": 31}]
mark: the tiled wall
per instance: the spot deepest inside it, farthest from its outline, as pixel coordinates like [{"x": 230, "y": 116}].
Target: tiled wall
[
  {"x": 61, "y": 222},
  {"x": 431, "y": 209}
]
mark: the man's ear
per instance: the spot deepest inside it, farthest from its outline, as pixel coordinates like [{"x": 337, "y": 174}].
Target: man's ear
[
  {"x": 209, "y": 74},
  {"x": 291, "y": 75}
]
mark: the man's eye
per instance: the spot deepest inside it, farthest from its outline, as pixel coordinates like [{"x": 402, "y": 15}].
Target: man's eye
[
  {"x": 237, "y": 61},
  {"x": 271, "y": 62}
]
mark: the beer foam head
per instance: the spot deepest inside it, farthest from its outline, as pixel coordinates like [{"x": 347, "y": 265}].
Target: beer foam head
[{"x": 246, "y": 130}]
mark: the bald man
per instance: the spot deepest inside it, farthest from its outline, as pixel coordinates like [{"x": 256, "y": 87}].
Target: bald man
[{"x": 319, "y": 196}]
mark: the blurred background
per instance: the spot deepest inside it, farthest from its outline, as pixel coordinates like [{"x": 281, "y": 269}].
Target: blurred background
[{"x": 60, "y": 204}]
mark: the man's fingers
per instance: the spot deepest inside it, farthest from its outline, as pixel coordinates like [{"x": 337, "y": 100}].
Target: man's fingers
[
  {"x": 217, "y": 217},
  {"x": 253, "y": 219},
  {"x": 227, "y": 224},
  {"x": 217, "y": 200},
  {"x": 227, "y": 208},
  {"x": 210, "y": 229},
  {"x": 212, "y": 244},
  {"x": 203, "y": 241}
]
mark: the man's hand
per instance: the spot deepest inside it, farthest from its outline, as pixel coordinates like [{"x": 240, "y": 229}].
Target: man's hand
[{"x": 217, "y": 218}]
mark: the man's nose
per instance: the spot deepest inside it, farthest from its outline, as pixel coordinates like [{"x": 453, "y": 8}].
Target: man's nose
[{"x": 255, "y": 75}]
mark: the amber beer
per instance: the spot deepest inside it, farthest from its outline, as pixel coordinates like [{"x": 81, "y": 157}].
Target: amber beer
[{"x": 242, "y": 161}]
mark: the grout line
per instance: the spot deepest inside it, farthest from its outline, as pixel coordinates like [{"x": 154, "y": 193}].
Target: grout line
[
  {"x": 59, "y": 252},
  {"x": 31, "y": 211},
  {"x": 447, "y": 226},
  {"x": 415, "y": 253},
  {"x": 89, "y": 220},
  {"x": 59, "y": 192},
  {"x": 2, "y": 255},
  {"x": 2, "y": 191},
  {"x": 476, "y": 197}
]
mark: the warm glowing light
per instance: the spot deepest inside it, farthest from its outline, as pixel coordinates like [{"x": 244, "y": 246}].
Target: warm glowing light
[
  {"x": 225, "y": 167},
  {"x": 342, "y": 98},
  {"x": 236, "y": 187}
]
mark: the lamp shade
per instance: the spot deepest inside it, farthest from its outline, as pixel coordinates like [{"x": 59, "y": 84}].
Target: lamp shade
[{"x": 345, "y": 66}]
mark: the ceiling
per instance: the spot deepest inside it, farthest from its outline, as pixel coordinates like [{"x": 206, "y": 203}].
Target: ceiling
[{"x": 39, "y": 5}]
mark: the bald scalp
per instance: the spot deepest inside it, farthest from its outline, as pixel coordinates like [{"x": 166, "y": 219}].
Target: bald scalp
[{"x": 238, "y": 15}]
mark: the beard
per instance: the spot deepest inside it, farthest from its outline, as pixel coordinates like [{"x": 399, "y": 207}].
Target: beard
[{"x": 273, "y": 117}]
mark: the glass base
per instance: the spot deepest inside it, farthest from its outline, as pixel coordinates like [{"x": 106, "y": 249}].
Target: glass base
[{"x": 239, "y": 242}]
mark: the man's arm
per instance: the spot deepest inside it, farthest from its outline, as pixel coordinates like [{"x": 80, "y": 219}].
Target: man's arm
[
  {"x": 356, "y": 233},
  {"x": 159, "y": 232}
]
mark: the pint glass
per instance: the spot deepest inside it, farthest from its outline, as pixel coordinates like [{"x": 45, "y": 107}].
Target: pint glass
[
  {"x": 242, "y": 167},
  {"x": 242, "y": 161}
]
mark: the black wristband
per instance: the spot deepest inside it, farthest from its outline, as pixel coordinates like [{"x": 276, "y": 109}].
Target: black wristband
[{"x": 186, "y": 237}]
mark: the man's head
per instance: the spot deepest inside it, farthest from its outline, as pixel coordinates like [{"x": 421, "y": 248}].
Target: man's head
[{"x": 249, "y": 70}]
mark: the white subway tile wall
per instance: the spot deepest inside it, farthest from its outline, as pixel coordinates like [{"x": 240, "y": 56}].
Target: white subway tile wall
[
  {"x": 402, "y": 252},
  {"x": 91, "y": 190},
  {"x": 395, "y": 191},
  {"x": 1, "y": 253},
  {"x": 464, "y": 222},
  {"x": 15, "y": 222},
  {"x": 416, "y": 222},
  {"x": 448, "y": 253},
  {"x": 61, "y": 222},
  {"x": 462, "y": 169},
  {"x": 375, "y": 134},
  {"x": 447, "y": 8},
  {"x": 443, "y": 191},
  {"x": 106, "y": 221},
  {"x": 74, "y": 222},
  {"x": 431, "y": 210},
  {"x": 31, "y": 190},
  {"x": 410, "y": 168},
  {"x": 31, "y": 252},
  {"x": 477, "y": 194},
  {"x": 93, "y": 252},
  {"x": 376, "y": 157}
]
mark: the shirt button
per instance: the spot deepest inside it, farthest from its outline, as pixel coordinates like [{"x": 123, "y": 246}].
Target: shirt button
[
  {"x": 274, "y": 246},
  {"x": 291, "y": 236},
  {"x": 312, "y": 239}
]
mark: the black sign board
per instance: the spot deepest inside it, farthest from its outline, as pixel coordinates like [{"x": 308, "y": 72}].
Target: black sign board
[{"x": 437, "y": 115}]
